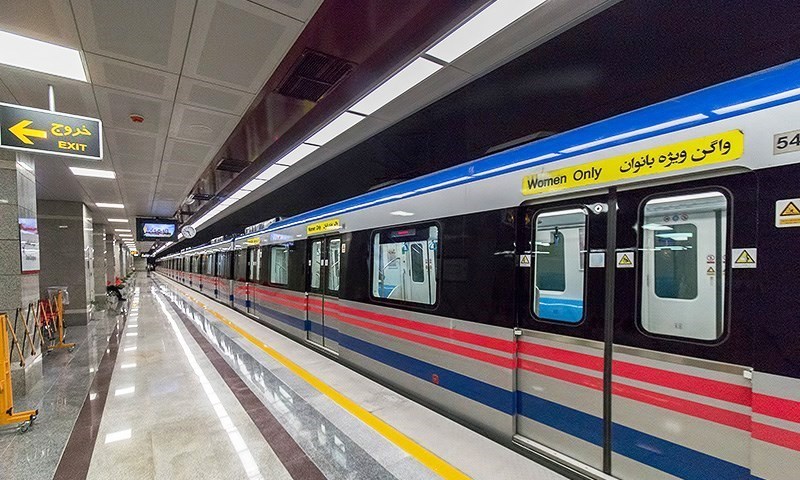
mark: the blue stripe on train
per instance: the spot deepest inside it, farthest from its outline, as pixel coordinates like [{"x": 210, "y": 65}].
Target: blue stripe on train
[
  {"x": 658, "y": 453},
  {"x": 653, "y": 451}
]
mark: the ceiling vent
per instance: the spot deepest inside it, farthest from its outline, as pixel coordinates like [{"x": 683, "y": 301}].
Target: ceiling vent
[
  {"x": 314, "y": 75},
  {"x": 232, "y": 165}
]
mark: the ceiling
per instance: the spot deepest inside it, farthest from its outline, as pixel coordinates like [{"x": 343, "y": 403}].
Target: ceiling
[
  {"x": 615, "y": 61},
  {"x": 190, "y": 68}
]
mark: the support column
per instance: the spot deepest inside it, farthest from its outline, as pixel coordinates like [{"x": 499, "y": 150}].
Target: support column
[
  {"x": 67, "y": 255},
  {"x": 100, "y": 267},
  {"x": 19, "y": 257}
]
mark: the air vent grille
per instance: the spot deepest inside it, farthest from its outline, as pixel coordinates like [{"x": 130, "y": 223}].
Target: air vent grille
[{"x": 314, "y": 75}]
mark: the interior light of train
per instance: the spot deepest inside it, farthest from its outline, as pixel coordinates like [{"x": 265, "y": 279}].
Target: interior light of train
[
  {"x": 410, "y": 232},
  {"x": 486, "y": 23},
  {"x": 30, "y": 54},
  {"x": 685, "y": 198},
  {"x": 399, "y": 83},
  {"x": 656, "y": 226},
  {"x": 561, "y": 212}
]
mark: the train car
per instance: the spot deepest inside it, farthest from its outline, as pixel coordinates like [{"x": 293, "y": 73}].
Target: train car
[{"x": 621, "y": 298}]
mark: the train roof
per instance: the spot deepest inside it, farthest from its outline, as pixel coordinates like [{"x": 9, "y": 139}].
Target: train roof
[{"x": 760, "y": 90}]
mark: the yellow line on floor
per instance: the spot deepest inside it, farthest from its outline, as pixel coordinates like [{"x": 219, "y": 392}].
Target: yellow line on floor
[{"x": 424, "y": 456}]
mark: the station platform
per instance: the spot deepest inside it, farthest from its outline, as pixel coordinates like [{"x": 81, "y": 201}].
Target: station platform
[{"x": 182, "y": 387}]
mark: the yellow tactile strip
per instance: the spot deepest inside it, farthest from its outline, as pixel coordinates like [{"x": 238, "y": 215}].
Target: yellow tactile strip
[{"x": 420, "y": 453}]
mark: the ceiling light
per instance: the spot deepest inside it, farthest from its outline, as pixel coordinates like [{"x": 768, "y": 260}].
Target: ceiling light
[
  {"x": 122, "y": 229},
  {"x": 24, "y": 52},
  {"x": 109, "y": 205},
  {"x": 486, "y": 23},
  {"x": 253, "y": 184},
  {"x": 91, "y": 172},
  {"x": 402, "y": 81},
  {"x": 241, "y": 193},
  {"x": 228, "y": 202},
  {"x": 118, "y": 220},
  {"x": 272, "y": 172},
  {"x": 300, "y": 152},
  {"x": 336, "y": 127}
]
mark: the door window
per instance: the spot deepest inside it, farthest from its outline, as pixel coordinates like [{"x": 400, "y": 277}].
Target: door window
[
  {"x": 334, "y": 264},
  {"x": 279, "y": 265},
  {"x": 559, "y": 276},
  {"x": 316, "y": 265},
  {"x": 684, "y": 242}
]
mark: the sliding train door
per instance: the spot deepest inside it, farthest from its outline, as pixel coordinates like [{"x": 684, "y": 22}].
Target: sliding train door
[
  {"x": 561, "y": 326},
  {"x": 323, "y": 291},
  {"x": 684, "y": 302}
]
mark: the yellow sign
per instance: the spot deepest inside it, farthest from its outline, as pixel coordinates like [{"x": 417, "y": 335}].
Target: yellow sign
[
  {"x": 722, "y": 147},
  {"x": 790, "y": 210},
  {"x": 22, "y": 132},
  {"x": 253, "y": 241},
  {"x": 322, "y": 227},
  {"x": 745, "y": 257}
]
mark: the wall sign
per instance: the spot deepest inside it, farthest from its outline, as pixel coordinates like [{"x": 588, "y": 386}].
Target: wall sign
[
  {"x": 787, "y": 213},
  {"x": 722, "y": 147},
  {"x": 43, "y": 131},
  {"x": 29, "y": 245}
]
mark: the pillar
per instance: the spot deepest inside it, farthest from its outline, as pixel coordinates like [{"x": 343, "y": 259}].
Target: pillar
[
  {"x": 19, "y": 257},
  {"x": 100, "y": 267},
  {"x": 67, "y": 255}
]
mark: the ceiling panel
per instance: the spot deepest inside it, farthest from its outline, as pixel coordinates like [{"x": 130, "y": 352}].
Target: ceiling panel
[
  {"x": 190, "y": 153},
  {"x": 30, "y": 88},
  {"x": 213, "y": 97},
  {"x": 237, "y": 43},
  {"x": 135, "y": 152},
  {"x": 5, "y": 94},
  {"x": 153, "y": 35},
  {"x": 47, "y": 20},
  {"x": 201, "y": 125},
  {"x": 299, "y": 9},
  {"x": 107, "y": 72},
  {"x": 116, "y": 108},
  {"x": 175, "y": 172},
  {"x": 164, "y": 208}
]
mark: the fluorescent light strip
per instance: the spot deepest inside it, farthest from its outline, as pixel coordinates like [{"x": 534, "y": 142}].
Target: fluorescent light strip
[
  {"x": 30, "y": 54},
  {"x": 485, "y": 24},
  {"x": 758, "y": 101},
  {"x": 109, "y": 205},
  {"x": 300, "y": 152},
  {"x": 92, "y": 172},
  {"x": 253, "y": 184},
  {"x": 122, "y": 229},
  {"x": 336, "y": 127},
  {"x": 399, "y": 83},
  {"x": 118, "y": 220},
  {"x": 271, "y": 172},
  {"x": 652, "y": 128}
]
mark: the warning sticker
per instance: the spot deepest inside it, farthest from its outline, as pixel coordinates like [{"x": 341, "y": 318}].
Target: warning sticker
[
  {"x": 711, "y": 271},
  {"x": 525, "y": 260},
  {"x": 787, "y": 213},
  {"x": 745, "y": 257},
  {"x": 625, "y": 259}
]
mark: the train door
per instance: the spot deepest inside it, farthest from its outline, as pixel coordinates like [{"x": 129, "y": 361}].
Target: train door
[
  {"x": 684, "y": 297},
  {"x": 323, "y": 291},
  {"x": 561, "y": 312},
  {"x": 253, "y": 277}
]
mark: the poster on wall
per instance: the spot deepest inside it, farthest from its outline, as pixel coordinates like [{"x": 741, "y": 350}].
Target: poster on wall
[{"x": 29, "y": 245}]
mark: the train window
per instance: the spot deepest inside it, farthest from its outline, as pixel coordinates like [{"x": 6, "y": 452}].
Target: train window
[
  {"x": 316, "y": 264},
  {"x": 254, "y": 272},
  {"x": 404, "y": 264},
  {"x": 684, "y": 240},
  {"x": 558, "y": 277},
  {"x": 334, "y": 264},
  {"x": 240, "y": 265},
  {"x": 279, "y": 265}
]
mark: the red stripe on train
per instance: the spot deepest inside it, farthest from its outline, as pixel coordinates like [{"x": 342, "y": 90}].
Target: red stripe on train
[
  {"x": 777, "y": 407},
  {"x": 679, "y": 381},
  {"x": 776, "y": 436},
  {"x": 667, "y": 402}
]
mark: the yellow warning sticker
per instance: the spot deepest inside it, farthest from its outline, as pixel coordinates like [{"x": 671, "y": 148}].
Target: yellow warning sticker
[
  {"x": 322, "y": 227},
  {"x": 625, "y": 259},
  {"x": 745, "y": 257},
  {"x": 722, "y": 147},
  {"x": 711, "y": 271},
  {"x": 525, "y": 260},
  {"x": 787, "y": 213}
]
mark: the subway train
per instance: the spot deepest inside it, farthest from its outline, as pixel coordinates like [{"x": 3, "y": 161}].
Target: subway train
[{"x": 622, "y": 298}]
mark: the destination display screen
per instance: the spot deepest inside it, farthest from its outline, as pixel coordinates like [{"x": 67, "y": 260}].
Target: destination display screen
[{"x": 156, "y": 229}]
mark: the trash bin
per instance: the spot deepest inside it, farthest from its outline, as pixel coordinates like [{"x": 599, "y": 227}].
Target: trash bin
[{"x": 52, "y": 293}]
